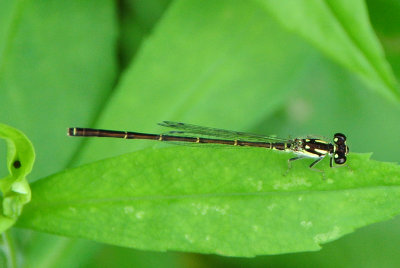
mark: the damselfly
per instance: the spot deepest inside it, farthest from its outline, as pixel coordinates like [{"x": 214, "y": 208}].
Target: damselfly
[{"x": 302, "y": 147}]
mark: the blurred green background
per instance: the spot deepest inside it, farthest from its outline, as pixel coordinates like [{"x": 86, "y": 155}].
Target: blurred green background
[{"x": 132, "y": 63}]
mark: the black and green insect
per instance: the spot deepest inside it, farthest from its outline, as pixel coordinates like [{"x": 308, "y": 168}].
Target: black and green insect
[{"x": 303, "y": 147}]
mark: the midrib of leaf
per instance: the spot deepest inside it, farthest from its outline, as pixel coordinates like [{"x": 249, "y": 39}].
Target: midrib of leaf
[
  {"x": 357, "y": 44},
  {"x": 205, "y": 195}
]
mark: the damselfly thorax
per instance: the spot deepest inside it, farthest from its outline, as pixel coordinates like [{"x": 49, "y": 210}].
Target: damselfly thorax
[{"x": 319, "y": 149}]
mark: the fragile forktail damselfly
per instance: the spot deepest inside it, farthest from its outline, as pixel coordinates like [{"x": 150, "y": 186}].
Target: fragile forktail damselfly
[{"x": 302, "y": 147}]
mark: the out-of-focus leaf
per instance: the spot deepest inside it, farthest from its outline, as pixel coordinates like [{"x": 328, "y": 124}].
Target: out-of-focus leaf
[
  {"x": 55, "y": 251},
  {"x": 341, "y": 29},
  {"x": 112, "y": 256},
  {"x": 57, "y": 66},
  {"x": 222, "y": 63},
  {"x": 386, "y": 23},
  {"x": 137, "y": 21}
]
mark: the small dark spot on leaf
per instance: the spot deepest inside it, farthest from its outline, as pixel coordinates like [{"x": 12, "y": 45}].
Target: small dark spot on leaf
[{"x": 17, "y": 164}]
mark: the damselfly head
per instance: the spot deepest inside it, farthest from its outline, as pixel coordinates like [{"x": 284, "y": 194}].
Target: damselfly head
[
  {"x": 341, "y": 149},
  {"x": 339, "y": 138}
]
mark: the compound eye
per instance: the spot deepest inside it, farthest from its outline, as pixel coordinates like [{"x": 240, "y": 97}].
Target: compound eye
[
  {"x": 340, "y": 160},
  {"x": 339, "y": 138}
]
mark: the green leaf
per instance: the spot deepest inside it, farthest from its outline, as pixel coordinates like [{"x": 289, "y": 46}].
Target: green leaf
[
  {"x": 234, "y": 202},
  {"x": 203, "y": 57},
  {"x": 15, "y": 188},
  {"x": 137, "y": 20},
  {"x": 341, "y": 29},
  {"x": 58, "y": 62},
  {"x": 56, "y": 59}
]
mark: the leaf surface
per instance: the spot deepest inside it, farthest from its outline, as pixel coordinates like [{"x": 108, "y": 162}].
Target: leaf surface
[
  {"x": 341, "y": 30},
  {"x": 214, "y": 63},
  {"x": 57, "y": 66},
  {"x": 231, "y": 202}
]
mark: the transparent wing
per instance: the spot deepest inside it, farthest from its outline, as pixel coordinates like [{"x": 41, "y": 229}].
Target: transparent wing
[{"x": 190, "y": 130}]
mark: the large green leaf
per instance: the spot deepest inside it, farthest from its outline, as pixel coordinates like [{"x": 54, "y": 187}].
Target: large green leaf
[
  {"x": 137, "y": 21},
  {"x": 340, "y": 29},
  {"x": 57, "y": 66},
  {"x": 230, "y": 202},
  {"x": 218, "y": 63}
]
